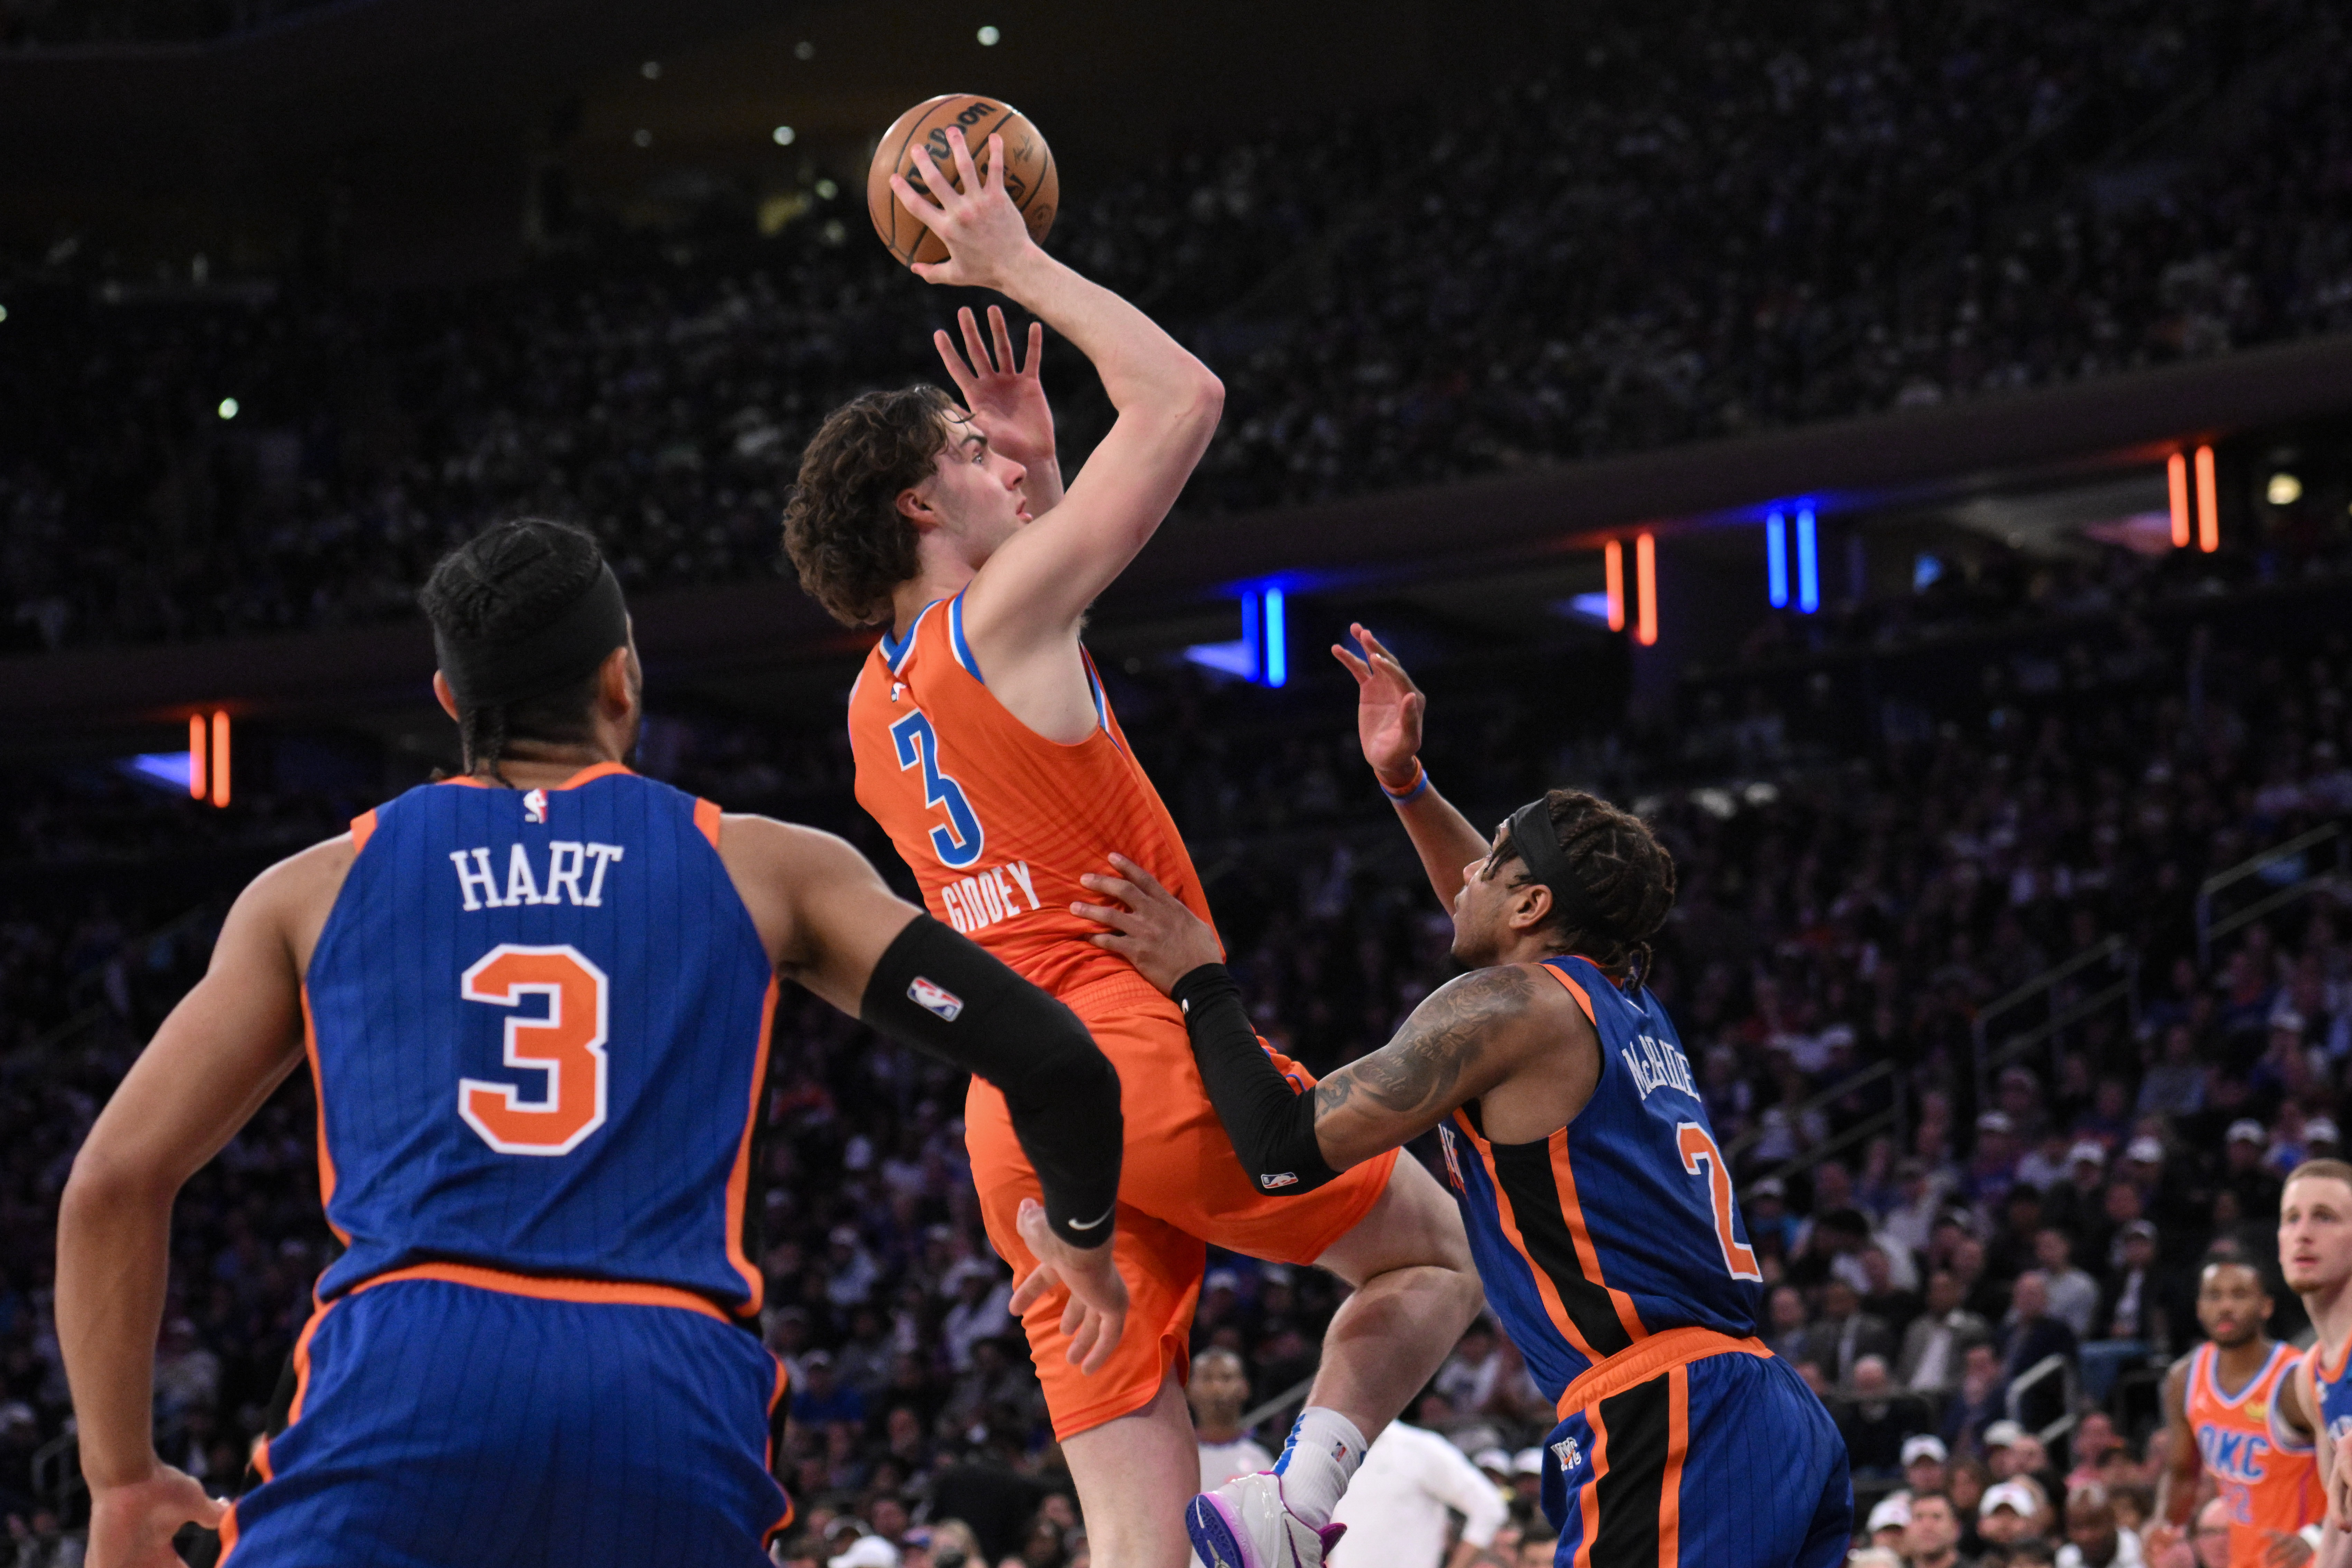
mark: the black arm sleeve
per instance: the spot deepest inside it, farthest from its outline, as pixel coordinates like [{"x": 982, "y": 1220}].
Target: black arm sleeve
[
  {"x": 1271, "y": 1128},
  {"x": 939, "y": 993}
]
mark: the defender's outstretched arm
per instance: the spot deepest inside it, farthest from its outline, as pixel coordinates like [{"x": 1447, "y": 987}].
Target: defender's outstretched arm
[
  {"x": 1036, "y": 588},
  {"x": 875, "y": 956}
]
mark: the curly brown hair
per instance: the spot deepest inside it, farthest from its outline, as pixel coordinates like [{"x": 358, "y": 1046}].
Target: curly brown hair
[
  {"x": 1626, "y": 874},
  {"x": 843, "y": 529}
]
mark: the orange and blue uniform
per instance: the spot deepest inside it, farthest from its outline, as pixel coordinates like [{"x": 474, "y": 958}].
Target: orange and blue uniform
[
  {"x": 2268, "y": 1486},
  {"x": 998, "y": 823},
  {"x": 1614, "y": 1255},
  {"x": 539, "y": 1024}
]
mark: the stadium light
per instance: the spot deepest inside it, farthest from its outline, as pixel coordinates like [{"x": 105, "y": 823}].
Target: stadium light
[
  {"x": 1775, "y": 560},
  {"x": 988, "y": 36},
  {"x": 198, "y": 751},
  {"x": 1645, "y": 590},
  {"x": 783, "y": 135},
  {"x": 803, "y": 50},
  {"x": 2209, "y": 503},
  {"x": 1809, "y": 564},
  {"x": 3, "y": 312},
  {"x": 2284, "y": 489},
  {"x": 650, "y": 70},
  {"x": 219, "y": 769},
  {"x": 643, "y": 137},
  {"x": 2176, "y": 478},
  {"x": 227, "y": 409},
  {"x": 826, "y": 190},
  {"x": 1275, "y": 662},
  {"x": 1612, "y": 561}
]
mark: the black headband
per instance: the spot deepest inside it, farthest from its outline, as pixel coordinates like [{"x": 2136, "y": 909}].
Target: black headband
[
  {"x": 486, "y": 674},
  {"x": 1537, "y": 844}
]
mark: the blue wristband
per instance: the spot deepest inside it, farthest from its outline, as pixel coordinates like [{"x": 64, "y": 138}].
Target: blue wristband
[{"x": 1419, "y": 786}]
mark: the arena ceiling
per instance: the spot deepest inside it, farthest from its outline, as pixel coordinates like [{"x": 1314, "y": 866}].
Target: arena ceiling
[{"x": 419, "y": 124}]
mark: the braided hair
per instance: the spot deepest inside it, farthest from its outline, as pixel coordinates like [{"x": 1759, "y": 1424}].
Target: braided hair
[
  {"x": 504, "y": 583},
  {"x": 1626, "y": 874}
]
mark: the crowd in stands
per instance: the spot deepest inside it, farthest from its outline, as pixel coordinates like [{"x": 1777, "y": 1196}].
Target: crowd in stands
[
  {"x": 1927, "y": 1237},
  {"x": 1692, "y": 222}
]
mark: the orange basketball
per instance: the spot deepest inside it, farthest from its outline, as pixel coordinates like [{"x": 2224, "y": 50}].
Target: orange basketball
[{"x": 1029, "y": 177}]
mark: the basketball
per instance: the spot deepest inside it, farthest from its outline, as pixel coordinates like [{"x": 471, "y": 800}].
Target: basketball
[{"x": 1029, "y": 177}]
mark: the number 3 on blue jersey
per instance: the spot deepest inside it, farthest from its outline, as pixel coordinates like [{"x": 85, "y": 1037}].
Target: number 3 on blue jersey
[{"x": 958, "y": 844}]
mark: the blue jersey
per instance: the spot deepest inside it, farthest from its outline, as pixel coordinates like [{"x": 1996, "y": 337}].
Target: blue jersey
[
  {"x": 539, "y": 1023},
  {"x": 2334, "y": 1386},
  {"x": 1619, "y": 1225}
]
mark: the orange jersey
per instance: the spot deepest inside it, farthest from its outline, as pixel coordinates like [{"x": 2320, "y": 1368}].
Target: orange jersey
[
  {"x": 997, "y": 822},
  {"x": 2267, "y": 1488}
]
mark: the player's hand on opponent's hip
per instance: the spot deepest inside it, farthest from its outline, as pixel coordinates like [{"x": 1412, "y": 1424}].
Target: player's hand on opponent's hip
[
  {"x": 1096, "y": 1313},
  {"x": 132, "y": 1526},
  {"x": 1389, "y": 707},
  {"x": 1151, "y": 927},
  {"x": 983, "y": 231}
]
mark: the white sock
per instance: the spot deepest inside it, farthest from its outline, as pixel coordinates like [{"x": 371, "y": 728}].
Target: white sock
[{"x": 1323, "y": 1452}]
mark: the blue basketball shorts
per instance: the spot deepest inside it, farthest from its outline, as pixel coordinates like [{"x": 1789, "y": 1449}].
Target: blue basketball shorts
[
  {"x": 1727, "y": 1461},
  {"x": 440, "y": 1425}
]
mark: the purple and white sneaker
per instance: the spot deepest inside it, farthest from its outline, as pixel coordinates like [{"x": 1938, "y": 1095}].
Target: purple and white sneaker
[{"x": 1245, "y": 1524}]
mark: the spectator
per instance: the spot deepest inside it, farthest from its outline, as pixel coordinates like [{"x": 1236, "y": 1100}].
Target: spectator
[
  {"x": 1933, "y": 1539},
  {"x": 2093, "y": 1539},
  {"x": 1845, "y": 1334},
  {"x": 1785, "y": 1327},
  {"x": 1218, "y": 1391},
  {"x": 2031, "y": 1338},
  {"x": 1398, "y": 1502},
  {"x": 2247, "y": 1176},
  {"x": 1935, "y": 1345},
  {"x": 1877, "y": 1418},
  {"x": 2007, "y": 1513},
  {"x": 2074, "y": 1295},
  {"x": 822, "y": 1400},
  {"x": 1888, "y": 1524}
]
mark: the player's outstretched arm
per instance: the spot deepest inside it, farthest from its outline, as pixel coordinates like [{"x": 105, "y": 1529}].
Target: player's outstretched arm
[
  {"x": 231, "y": 1041},
  {"x": 1030, "y": 596},
  {"x": 1389, "y": 709},
  {"x": 2176, "y": 1489},
  {"x": 1468, "y": 1037},
  {"x": 837, "y": 930}
]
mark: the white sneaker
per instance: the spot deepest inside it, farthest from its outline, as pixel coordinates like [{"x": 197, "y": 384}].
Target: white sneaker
[{"x": 1245, "y": 1524}]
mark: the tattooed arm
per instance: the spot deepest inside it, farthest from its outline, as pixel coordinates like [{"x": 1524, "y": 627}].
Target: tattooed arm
[{"x": 1469, "y": 1038}]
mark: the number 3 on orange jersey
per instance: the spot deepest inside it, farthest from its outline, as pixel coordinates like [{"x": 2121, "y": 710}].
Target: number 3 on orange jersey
[
  {"x": 567, "y": 1044},
  {"x": 1697, "y": 1150}
]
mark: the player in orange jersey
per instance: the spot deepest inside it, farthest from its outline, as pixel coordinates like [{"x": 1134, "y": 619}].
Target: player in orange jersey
[
  {"x": 985, "y": 747},
  {"x": 2217, "y": 1401}
]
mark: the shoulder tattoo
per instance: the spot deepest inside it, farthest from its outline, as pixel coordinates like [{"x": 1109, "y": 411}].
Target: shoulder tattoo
[{"x": 1419, "y": 1067}]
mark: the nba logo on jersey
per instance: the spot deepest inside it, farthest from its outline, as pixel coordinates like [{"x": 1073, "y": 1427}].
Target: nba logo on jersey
[
  {"x": 1568, "y": 1453},
  {"x": 534, "y": 806},
  {"x": 935, "y": 998}
]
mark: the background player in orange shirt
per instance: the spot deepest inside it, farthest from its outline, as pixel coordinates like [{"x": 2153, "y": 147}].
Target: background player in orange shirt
[
  {"x": 2217, "y": 1402},
  {"x": 984, "y": 746}
]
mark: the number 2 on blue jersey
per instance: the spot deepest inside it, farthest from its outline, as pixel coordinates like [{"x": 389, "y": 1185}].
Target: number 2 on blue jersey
[{"x": 958, "y": 843}]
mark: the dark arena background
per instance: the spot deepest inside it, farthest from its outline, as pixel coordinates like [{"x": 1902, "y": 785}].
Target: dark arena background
[{"x": 1904, "y": 451}]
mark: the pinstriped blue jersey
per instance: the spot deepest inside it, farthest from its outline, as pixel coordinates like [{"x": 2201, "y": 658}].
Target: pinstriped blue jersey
[
  {"x": 539, "y": 1022},
  {"x": 1619, "y": 1224}
]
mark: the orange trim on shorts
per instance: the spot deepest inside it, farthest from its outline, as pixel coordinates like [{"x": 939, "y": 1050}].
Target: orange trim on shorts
[
  {"x": 1508, "y": 1219},
  {"x": 784, "y": 1380},
  {"x": 363, "y": 829},
  {"x": 1670, "y": 1493},
  {"x": 739, "y": 1180},
  {"x": 1588, "y": 1495},
  {"x": 706, "y": 818},
  {"x": 1588, "y": 1257},
  {"x": 594, "y": 1293},
  {"x": 318, "y": 1089},
  {"x": 261, "y": 1465},
  {"x": 1643, "y": 1361}
]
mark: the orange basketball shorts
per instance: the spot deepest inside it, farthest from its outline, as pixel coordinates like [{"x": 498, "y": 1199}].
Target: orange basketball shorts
[{"x": 1180, "y": 1189}]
